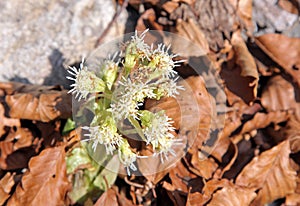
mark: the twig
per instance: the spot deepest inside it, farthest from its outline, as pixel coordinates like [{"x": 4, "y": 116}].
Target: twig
[
  {"x": 115, "y": 17},
  {"x": 133, "y": 183}
]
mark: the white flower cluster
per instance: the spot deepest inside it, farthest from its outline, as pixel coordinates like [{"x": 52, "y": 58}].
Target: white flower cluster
[
  {"x": 142, "y": 72},
  {"x": 104, "y": 135},
  {"x": 157, "y": 130},
  {"x": 86, "y": 82}
]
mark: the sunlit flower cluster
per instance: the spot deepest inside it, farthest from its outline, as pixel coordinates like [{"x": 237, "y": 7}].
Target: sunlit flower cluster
[
  {"x": 86, "y": 82},
  {"x": 124, "y": 82}
]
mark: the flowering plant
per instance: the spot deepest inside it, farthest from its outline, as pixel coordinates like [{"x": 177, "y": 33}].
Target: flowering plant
[{"x": 120, "y": 88}]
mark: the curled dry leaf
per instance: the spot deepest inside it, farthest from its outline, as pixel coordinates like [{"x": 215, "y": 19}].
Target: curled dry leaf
[
  {"x": 269, "y": 170},
  {"x": 262, "y": 120},
  {"x": 216, "y": 20},
  {"x": 232, "y": 195},
  {"x": 244, "y": 11},
  {"x": 203, "y": 167},
  {"x": 43, "y": 103},
  {"x": 5, "y": 121},
  {"x": 279, "y": 94},
  {"x": 17, "y": 148},
  {"x": 284, "y": 50},
  {"x": 240, "y": 73},
  {"x": 22, "y": 137},
  {"x": 194, "y": 199},
  {"x": 6, "y": 184},
  {"x": 46, "y": 181},
  {"x": 180, "y": 176},
  {"x": 197, "y": 44}
]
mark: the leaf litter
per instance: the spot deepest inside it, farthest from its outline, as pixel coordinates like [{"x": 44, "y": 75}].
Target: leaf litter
[{"x": 253, "y": 160}]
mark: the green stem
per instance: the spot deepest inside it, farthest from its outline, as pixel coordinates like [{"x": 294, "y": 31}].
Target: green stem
[{"x": 138, "y": 128}]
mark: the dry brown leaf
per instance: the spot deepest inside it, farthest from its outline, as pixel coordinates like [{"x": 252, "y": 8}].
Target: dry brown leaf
[
  {"x": 284, "y": 50},
  {"x": 43, "y": 103},
  {"x": 148, "y": 21},
  {"x": 216, "y": 20},
  {"x": 170, "y": 6},
  {"x": 176, "y": 196},
  {"x": 180, "y": 176},
  {"x": 22, "y": 137},
  {"x": 210, "y": 187},
  {"x": 109, "y": 197},
  {"x": 290, "y": 6},
  {"x": 232, "y": 195},
  {"x": 194, "y": 199},
  {"x": 46, "y": 182},
  {"x": 269, "y": 170},
  {"x": 244, "y": 11},
  {"x": 197, "y": 44},
  {"x": 6, "y": 184},
  {"x": 294, "y": 199},
  {"x": 240, "y": 73},
  {"x": 5, "y": 121},
  {"x": 279, "y": 95},
  {"x": 262, "y": 120},
  {"x": 204, "y": 168}
]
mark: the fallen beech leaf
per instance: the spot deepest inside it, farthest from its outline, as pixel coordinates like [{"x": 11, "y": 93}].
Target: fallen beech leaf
[
  {"x": 292, "y": 199},
  {"x": 109, "y": 197},
  {"x": 170, "y": 6},
  {"x": 148, "y": 21},
  {"x": 46, "y": 182},
  {"x": 245, "y": 154},
  {"x": 269, "y": 170},
  {"x": 284, "y": 50},
  {"x": 197, "y": 44},
  {"x": 43, "y": 103},
  {"x": 6, "y": 184},
  {"x": 22, "y": 138},
  {"x": 210, "y": 187},
  {"x": 279, "y": 94},
  {"x": 205, "y": 168},
  {"x": 232, "y": 195},
  {"x": 6, "y": 149},
  {"x": 180, "y": 176},
  {"x": 194, "y": 199},
  {"x": 262, "y": 120},
  {"x": 4, "y": 121},
  {"x": 215, "y": 19},
  {"x": 240, "y": 73}
]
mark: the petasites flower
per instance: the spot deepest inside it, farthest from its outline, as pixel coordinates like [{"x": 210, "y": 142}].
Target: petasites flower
[
  {"x": 106, "y": 134},
  {"x": 122, "y": 85},
  {"x": 126, "y": 156},
  {"x": 86, "y": 82}
]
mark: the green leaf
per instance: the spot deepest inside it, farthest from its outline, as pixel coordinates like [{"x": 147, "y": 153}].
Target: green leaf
[
  {"x": 77, "y": 157},
  {"x": 69, "y": 126},
  {"x": 108, "y": 175}
]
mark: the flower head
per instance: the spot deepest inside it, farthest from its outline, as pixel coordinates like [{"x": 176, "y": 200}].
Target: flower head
[
  {"x": 126, "y": 156},
  {"x": 128, "y": 96},
  {"x": 106, "y": 134},
  {"x": 157, "y": 126},
  {"x": 86, "y": 82}
]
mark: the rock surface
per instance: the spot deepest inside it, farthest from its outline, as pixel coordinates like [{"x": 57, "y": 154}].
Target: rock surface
[{"x": 39, "y": 39}]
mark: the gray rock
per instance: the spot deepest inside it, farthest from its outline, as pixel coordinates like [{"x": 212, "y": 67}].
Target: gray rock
[{"x": 39, "y": 38}]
